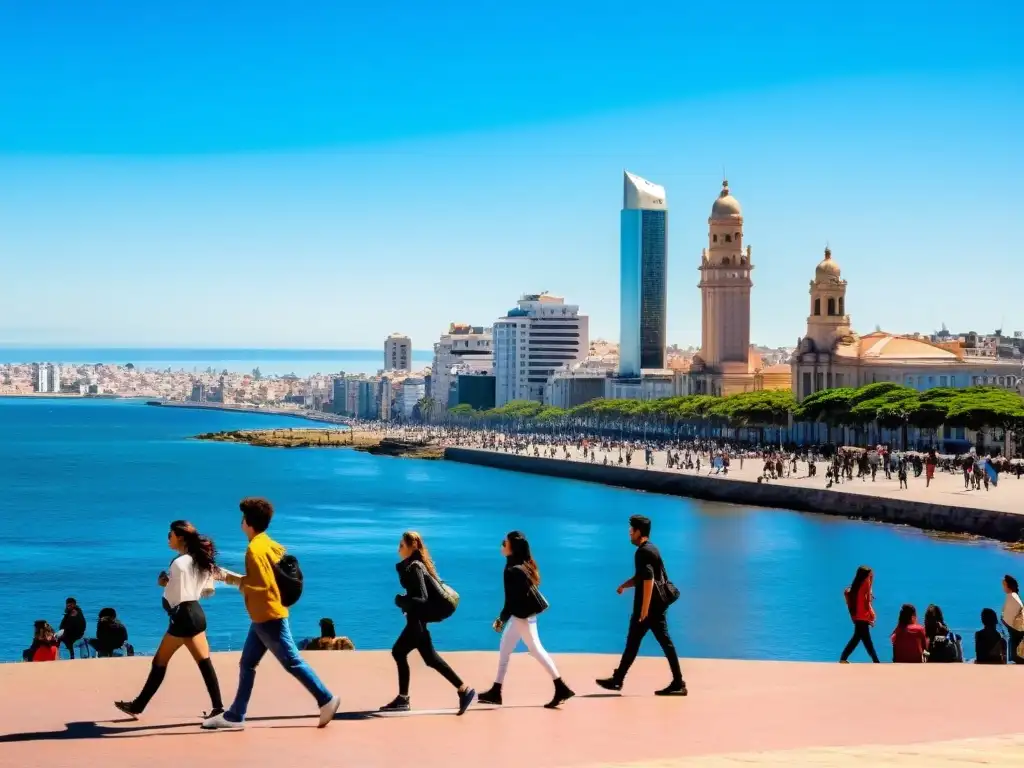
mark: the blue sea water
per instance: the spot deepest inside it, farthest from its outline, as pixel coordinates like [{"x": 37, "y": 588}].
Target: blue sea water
[
  {"x": 271, "y": 362},
  {"x": 89, "y": 487}
]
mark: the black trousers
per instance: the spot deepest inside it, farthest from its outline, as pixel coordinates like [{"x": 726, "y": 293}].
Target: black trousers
[
  {"x": 861, "y": 634},
  {"x": 658, "y": 625},
  {"x": 416, "y": 636}
]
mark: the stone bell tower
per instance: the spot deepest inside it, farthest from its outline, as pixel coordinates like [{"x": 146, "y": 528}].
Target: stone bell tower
[{"x": 827, "y": 321}]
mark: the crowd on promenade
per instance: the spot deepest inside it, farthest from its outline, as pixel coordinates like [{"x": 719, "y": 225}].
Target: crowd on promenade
[
  {"x": 935, "y": 642},
  {"x": 272, "y": 582}
]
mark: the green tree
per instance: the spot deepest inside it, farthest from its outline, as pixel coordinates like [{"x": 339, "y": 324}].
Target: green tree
[{"x": 829, "y": 406}]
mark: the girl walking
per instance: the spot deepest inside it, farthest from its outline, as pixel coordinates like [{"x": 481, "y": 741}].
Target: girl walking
[
  {"x": 859, "y": 603},
  {"x": 190, "y": 577},
  {"x": 518, "y": 619},
  {"x": 420, "y": 604}
]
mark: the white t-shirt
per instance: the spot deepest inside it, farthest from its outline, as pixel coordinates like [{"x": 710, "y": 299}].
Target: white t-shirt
[
  {"x": 185, "y": 582},
  {"x": 1012, "y": 610}
]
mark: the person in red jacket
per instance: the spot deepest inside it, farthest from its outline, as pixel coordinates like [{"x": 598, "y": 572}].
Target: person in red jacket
[
  {"x": 44, "y": 644},
  {"x": 858, "y": 602},
  {"x": 909, "y": 639}
]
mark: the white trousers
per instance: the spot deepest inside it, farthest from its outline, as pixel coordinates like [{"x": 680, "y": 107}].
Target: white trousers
[{"x": 526, "y": 630}]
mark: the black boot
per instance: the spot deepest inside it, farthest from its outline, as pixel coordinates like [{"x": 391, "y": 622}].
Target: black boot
[
  {"x": 491, "y": 696},
  {"x": 562, "y": 694}
]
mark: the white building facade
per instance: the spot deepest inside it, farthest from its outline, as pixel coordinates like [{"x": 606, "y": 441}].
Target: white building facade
[
  {"x": 532, "y": 341},
  {"x": 465, "y": 349},
  {"x": 409, "y": 392},
  {"x": 398, "y": 353}
]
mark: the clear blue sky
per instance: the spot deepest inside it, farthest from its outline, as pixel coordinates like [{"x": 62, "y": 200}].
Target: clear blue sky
[{"x": 241, "y": 174}]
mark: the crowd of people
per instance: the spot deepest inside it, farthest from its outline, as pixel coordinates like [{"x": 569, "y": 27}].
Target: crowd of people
[
  {"x": 272, "y": 582},
  {"x": 111, "y": 636},
  {"x": 935, "y": 642}
]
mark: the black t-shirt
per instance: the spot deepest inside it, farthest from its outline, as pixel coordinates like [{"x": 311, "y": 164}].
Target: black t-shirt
[{"x": 649, "y": 567}]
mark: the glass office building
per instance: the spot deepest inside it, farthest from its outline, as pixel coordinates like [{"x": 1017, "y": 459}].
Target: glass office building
[{"x": 642, "y": 282}]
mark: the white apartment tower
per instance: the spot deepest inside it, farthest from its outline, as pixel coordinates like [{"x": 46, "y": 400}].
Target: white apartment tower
[
  {"x": 42, "y": 376},
  {"x": 466, "y": 348},
  {"x": 55, "y": 377},
  {"x": 397, "y": 353},
  {"x": 532, "y": 341}
]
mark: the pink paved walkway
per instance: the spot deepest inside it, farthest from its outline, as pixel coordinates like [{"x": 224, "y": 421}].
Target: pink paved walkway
[{"x": 59, "y": 714}]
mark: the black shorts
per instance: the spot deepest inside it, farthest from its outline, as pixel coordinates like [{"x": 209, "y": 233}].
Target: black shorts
[{"x": 187, "y": 620}]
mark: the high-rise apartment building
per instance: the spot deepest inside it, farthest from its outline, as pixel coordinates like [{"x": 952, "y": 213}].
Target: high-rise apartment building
[
  {"x": 42, "y": 377},
  {"x": 397, "y": 353},
  {"x": 464, "y": 349},
  {"x": 532, "y": 341},
  {"x": 54, "y": 377},
  {"x": 643, "y": 302}
]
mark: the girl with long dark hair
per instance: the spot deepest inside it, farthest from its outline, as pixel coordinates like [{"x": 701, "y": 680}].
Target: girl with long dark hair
[
  {"x": 909, "y": 641},
  {"x": 418, "y": 576},
  {"x": 859, "y": 603},
  {"x": 518, "y": 619},
  {"x": 190, "y": 577},
  {"x": 1013, "y": 617}
]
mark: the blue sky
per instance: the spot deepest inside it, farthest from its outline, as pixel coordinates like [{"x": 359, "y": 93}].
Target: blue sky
[{"x": 230, "y": 174}]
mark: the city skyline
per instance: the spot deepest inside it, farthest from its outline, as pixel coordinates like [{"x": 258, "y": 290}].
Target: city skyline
[{"x": 242, "y": 204}]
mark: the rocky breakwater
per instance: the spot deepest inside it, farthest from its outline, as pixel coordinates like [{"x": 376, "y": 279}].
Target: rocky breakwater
[{"x": 368, "y": 442}]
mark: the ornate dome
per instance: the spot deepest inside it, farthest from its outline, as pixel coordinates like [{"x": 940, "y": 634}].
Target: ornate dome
[
  {"x": 827, "y": 268},
  {"x": 726, "y": 207}
]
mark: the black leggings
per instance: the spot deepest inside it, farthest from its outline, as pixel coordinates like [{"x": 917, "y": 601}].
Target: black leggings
[
  {"x": 861, "y": 634},
  {"x": 416, "y": 636}
]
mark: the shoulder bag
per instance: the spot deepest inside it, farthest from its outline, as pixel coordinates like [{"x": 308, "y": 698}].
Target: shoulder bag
[{"x": 536, "y": 601}]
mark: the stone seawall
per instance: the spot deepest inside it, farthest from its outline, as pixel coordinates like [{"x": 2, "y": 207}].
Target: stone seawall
[{"x": 993, "y": 524}]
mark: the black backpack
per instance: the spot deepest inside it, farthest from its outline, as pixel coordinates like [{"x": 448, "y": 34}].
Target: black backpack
[
  {"x": 946, "y": 649},
  {"x": 288, "y": 576}
]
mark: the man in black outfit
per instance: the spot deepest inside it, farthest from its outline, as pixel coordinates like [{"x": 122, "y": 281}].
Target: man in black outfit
[{"x": 649, "y": 585}]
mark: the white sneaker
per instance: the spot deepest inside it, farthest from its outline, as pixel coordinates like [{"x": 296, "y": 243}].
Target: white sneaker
[
  {"x": 221, "y": 723},
  {"x": 328, "y": 711}
]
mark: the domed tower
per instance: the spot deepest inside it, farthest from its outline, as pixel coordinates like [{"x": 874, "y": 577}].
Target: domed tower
[
  {"x": 828, "y": 320},
  {"x": 725, "y": 288}
]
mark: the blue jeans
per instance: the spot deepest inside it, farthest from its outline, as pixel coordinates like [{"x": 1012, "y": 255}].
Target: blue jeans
[{"x": 274, "y": 636}]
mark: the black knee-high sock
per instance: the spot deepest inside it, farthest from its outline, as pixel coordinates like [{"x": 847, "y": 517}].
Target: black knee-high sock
[
  {"x": 153, "y": 682},
  {"x": 212, "y": 686}
]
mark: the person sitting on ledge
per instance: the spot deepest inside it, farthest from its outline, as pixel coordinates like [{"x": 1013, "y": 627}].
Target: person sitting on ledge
[
  {"x": 111, "y": 634},
  {"x": 909, "y": 641},
  {"x": 328, "y": 640},
  {"x": 943, "y": 645},
  {"x": 989, "y": 644},
  {"x": 44, "y": 644}
]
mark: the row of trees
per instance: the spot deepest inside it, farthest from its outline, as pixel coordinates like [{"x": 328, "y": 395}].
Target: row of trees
[{"x": 886, "y": 405}]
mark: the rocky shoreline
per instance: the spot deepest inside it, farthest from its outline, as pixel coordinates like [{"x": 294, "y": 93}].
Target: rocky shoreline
[{"x": 368, "y": 442}]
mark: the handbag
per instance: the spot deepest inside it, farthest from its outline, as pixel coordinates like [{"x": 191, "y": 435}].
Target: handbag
[{"x": 538, "y": 603}]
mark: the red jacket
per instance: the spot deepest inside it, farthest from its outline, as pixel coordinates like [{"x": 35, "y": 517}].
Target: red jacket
[
  {"x": 45, "y": 653},
  {"x": 860, "y": 604}
]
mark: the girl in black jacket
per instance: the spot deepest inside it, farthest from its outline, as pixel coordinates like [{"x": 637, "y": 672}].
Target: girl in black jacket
[
  {"x": 418, "y": 577},
  {"x": 518, "y": 619}
]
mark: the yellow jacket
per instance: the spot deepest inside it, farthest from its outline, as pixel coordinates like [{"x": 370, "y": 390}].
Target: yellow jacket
[{"x": 259, "y": 587}]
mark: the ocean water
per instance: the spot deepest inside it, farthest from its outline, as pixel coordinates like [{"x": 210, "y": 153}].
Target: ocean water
[
  {"x": 271, "y": 362},
  {"x": 89, "y": 488}
]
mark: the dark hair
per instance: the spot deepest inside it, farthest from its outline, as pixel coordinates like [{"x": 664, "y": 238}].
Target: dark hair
[
  {"x": 71, "y": 601},
  {"x": 1011, "y": 583},
  {"x": 862, "y": 575},
  {"x": 641, "y": 524},
  {"x": 204, "y": 554},
  {"x": 257, "y": 513},
  {"x": 107, "y": 613},
  {"x": 327, "y": 628},
  {"x": 989, "y": 618},
  {"x": 519, "y": 548},
  {"x": 907, "y": 614},
  {"x": 934, "y": 622}
]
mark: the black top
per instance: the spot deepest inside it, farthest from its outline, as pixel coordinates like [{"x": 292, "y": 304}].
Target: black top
[
  {"x": 517, "y": 595},
  {"x": 989, "y": 646},
  {"x": 412, "y": 575},
  {"x": 110, "y": 634},
  {"x": 649, "y": 567},
  {"x": 73, "y": 625}
]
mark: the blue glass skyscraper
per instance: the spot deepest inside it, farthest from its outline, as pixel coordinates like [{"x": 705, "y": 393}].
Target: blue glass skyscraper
[{"x": 643, "y": 276}]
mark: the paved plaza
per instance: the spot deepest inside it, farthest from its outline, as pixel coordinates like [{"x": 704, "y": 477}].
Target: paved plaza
[
  {"x": 945, "y": 488},
  {"x": 738, "y": 714}
]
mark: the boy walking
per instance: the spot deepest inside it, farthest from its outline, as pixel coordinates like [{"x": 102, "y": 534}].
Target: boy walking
[
  {"x": 649, "y": 609},
  {"x": 269, "y": 630}
]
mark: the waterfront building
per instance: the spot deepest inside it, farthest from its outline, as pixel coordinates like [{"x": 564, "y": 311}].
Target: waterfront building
[
  {"x": 55, "y": 383},
  {"x": 339, "y": 394},
  {"x": 643, "y": 296},
  {"x": 42, "y": 377},
  {"x": 368, "y": 405},
  {"x": 473, "y": 389},
  {"x": 386, "y": 398},
  {"x": 408, "y": 394},
  {"x": 652, "y": 385},
  {"x": 578, "y": 383},
  {"x": 466, "y": 349},
  {"x": 532, "y": 341},
  {"x": 198, "y": 394},
  {"x": 726, "y": 363},
  {"x": 398, "y": 353}
]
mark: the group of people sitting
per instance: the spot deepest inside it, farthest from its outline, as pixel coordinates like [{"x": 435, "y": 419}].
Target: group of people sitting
[
  {"x": 111, "y": 635},
  {"x": 935, "y": 642},
  {"x": 327, "y": 641}
]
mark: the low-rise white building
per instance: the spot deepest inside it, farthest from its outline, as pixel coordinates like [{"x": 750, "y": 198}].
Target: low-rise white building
[{"x": 465, "y": 349}]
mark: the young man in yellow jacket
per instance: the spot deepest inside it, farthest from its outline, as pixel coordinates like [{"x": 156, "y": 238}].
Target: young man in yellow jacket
[{"x": 269, "y": 630}]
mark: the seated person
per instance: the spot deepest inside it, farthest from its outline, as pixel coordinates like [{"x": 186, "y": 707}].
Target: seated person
[
  {"x": 327, "y": 636},
  {"x": 989, "y": 644},
  {"x": 110, "y": 633},
  {"x": 943, "y": 646},
  {"x": 909, "y": 641},
  {"x": 72, "y": 625},
  {"x": 44, "y": 644}
]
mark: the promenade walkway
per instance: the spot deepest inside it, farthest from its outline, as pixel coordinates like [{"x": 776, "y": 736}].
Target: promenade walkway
[
  {"x": 945, "y": 488},
  {"x": 738, "y": 714}
]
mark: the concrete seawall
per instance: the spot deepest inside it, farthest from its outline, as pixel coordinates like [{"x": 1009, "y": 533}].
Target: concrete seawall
[{"x": 993, "y": 524}]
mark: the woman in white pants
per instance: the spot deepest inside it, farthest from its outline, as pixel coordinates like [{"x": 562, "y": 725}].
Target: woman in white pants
[{"x": 518, "y": 619}]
